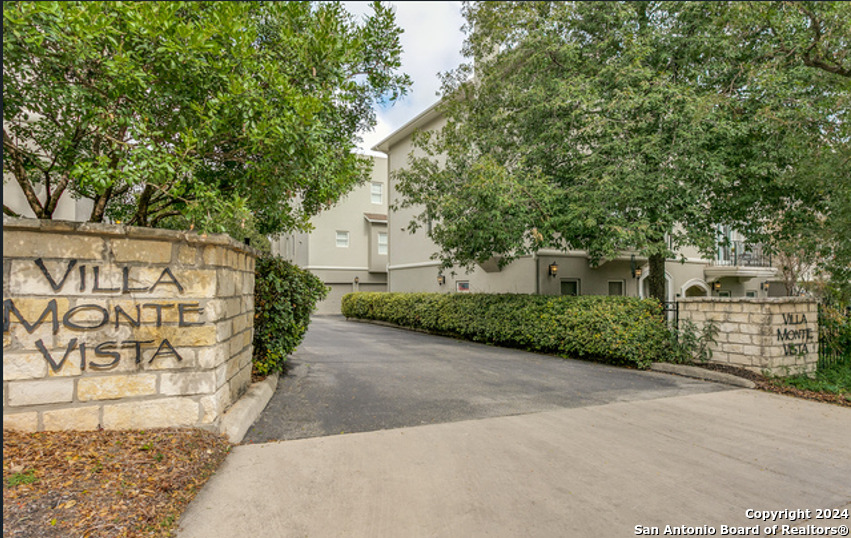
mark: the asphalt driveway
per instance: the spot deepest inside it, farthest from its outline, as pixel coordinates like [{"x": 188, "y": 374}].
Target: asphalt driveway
[
  {"x": 525, "y": 445},
  {"x": 355, "y": 377}
]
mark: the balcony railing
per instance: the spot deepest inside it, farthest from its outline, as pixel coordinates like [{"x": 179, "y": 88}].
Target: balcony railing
[{"x": 739, "y": 253}]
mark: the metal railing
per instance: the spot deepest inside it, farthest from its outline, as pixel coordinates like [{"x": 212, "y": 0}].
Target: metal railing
[{"x": 740, "y": 253}]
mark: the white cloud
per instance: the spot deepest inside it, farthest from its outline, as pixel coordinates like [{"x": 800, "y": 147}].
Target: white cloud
[{"x": 431, "y": 44}]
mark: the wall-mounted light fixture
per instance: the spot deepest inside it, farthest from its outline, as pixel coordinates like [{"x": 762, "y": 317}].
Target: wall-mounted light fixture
[
  {"x": 716, "y": 285},
  {"x": 441, "y": 280},
  {"x": 552, "y": 269},
  {"x": 633, "y": 268},
  {"x": 764, "y": 286},
  {"x": 357, "y": 280}
]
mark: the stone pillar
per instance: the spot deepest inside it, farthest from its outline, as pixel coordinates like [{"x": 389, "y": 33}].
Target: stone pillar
[
  {"x": 121, "y": 327},
  {"x": 778, "y": 336}
]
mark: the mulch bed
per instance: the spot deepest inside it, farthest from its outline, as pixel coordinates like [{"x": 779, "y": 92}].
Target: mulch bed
[
  {"x": 104, "y": 483},
  {"x": 771, "y": 385}
]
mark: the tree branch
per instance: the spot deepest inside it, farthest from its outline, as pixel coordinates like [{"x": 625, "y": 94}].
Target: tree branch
[
  {"x": 21, "y": 176},
  {"x": 8, "y": 211}
]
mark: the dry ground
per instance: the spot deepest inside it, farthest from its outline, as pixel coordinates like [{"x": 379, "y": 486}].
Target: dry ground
[{"x": 104, "y": 483}]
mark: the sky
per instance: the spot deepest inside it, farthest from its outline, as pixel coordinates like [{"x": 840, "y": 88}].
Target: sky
[{"x": 431, "y": 44}]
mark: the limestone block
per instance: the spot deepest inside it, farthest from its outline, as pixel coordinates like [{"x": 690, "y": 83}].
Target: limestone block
[
  {"x": 160, "y": 413},
  {"x": 214, "y": 406},
  {"x": 186, "y": 383},
  {"x": 40, "y": 245},
  {"x": 17, "y": 366},
  {"x": 40, "y": 392},
  {"x": 739, "y": 338},
  {"x": 196, "y": 283},
  {"x": 211, "y": 357},
  {"x": 117, "y": 386},
  {"x": 728, "y": 328},
  {"x": 201, "y": 335},
  {"x": 739, "y": 318},
  {"x": 22, "y": 422},
  {"x": 136, "y": 250},
  {"x": 186, "y": 255},
  {"x": 78, "y": 418},
  {"x": 221, "y": 375},
  {"x": 239, "y": 383},
  {"x": 214, "y": 255},
  {"x": 733, "y": 348},
  {"x": 188, "y": 360},
  {"x": 224, "y": 331},
  {"x": 233, "y": 367},
  {"x": 758, "y": 319},
  {"x": 224, "y": 283},
  {"x": 752, "y": 351}
]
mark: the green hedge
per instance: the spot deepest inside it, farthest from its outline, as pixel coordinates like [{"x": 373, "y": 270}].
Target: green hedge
[
  {"x": 616, "y": 330},
  {"x": 284, "y": 297}
]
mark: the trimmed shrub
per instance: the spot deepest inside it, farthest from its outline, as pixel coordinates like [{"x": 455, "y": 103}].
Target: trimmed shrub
[
  {"x": 284, "y": 297},
  {"x": 616, "y": 330}
]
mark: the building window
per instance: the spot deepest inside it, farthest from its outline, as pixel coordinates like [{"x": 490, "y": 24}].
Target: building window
[
  {"x": 377, "y": 193},
  {"x": 342, "y": 239},
  {"x": 750, "y": 294},
  {"x": 570, "y": 286},
  {"x": 616, "y": 287},
  {"x": 382, "y": 243},
  {"x": 462, "y": 286}
]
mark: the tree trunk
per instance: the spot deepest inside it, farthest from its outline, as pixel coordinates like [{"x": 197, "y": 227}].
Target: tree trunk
[{"x": 656, "y": 278}]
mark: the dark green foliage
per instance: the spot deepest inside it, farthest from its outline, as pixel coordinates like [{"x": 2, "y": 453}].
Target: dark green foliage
[
  {"x": 616, "y": 330},
  {"x": 834, "y": 333},
  {"x": 284, "y": 297}
]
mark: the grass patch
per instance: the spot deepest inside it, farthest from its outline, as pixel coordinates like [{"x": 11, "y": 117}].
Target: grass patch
[
  {"x": 834, "y": 379},
  {"x": 26, "y": 477}
]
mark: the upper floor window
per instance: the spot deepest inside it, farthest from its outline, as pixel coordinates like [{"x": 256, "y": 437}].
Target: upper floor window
[
  {"x": 382, "y": 243},
  {"x": 342, "y": 239},
  {"x": 377, "y": 193}
]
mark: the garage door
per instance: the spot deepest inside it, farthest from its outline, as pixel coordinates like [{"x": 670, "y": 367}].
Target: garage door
[{"x": 331, "y": 304}]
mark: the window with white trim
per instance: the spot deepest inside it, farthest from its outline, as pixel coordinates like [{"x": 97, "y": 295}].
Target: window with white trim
[
  {"x": 342, "y": 239},
  {"x": 377, "y": 193},
  {"x": 382, "y": 243},
  {"x": 616, "y": 287},
  {"x": 570, "y": 286}
]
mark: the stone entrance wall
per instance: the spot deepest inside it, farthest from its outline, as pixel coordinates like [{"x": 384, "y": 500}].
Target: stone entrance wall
[
  {"x": 777, "y": 335},
  {"x": 121, "y": 327}
]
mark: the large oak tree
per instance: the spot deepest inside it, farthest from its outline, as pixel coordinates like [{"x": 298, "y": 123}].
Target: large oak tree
[
  {"x": 612, "y": 126},
  {"x": 189, "y": 114}
]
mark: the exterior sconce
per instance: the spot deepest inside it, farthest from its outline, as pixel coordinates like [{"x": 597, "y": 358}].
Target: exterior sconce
[
  {"x": 441, "y": 280},
  {"x": 764, "y": 286},
  {"x": 716, "y": 285},
  {"x": 552, "y": 269},
  {"x": 636, "y": 271},
  {"x": 357, "y": 280}
]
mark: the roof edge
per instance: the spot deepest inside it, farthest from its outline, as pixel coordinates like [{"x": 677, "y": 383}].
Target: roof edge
[{"x": 393, "y": 138}]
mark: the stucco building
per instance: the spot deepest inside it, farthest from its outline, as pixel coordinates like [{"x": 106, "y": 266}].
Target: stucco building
[
  {"x": 348, "y": 246},
  {"x": 737, "y": 270}
]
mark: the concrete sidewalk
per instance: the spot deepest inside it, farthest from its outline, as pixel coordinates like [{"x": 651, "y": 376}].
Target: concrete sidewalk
[{"x": 699, "y": 459}]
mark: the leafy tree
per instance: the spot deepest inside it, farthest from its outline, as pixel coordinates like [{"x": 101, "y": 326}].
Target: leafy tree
[
  {"x": 618, "y": 126},
  {"x": 193, "y": 114}
]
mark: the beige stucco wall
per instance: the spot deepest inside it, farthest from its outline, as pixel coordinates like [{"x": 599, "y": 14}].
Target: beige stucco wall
[{"x": 141, "y": 327}]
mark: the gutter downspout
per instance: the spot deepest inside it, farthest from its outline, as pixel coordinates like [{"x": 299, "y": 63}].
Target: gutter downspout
[{"x": 537, "y": 274}]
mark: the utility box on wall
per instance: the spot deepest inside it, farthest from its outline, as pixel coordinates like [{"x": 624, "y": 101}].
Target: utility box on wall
[
  {"x": 774, "y": 335},
  {"x": 122, "y": 327}
]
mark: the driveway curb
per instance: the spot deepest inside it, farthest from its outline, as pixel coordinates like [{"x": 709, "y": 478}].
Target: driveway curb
[
  {"x": 244, "y": 412},
  {"x": 702, "y": 373}
]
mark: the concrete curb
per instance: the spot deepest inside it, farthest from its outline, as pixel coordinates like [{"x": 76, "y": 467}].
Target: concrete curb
[
  {"x": 702, "y": 373},
  {"x": 244, "y": 412}
]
